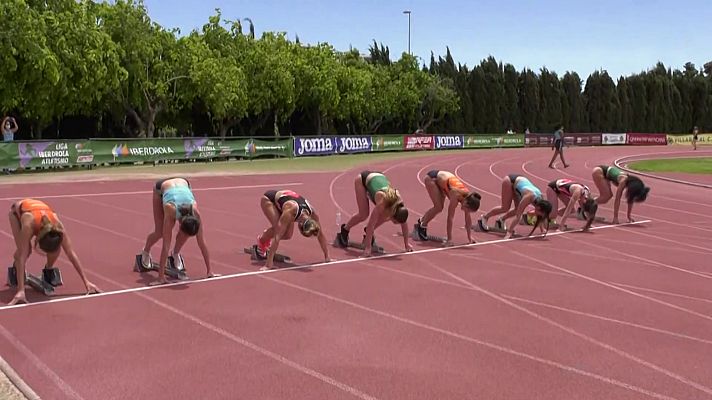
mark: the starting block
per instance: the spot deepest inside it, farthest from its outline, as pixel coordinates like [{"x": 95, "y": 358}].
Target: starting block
[
  {"x": 171, "y": 270},
  {"x": 431, "y": 238},
  {"x": 491, "y": 229},
  {"x": 359, "y": 246},
  {"x": 40, "y": 285},
  {"x": 530, "y": 220},
  {"x": 280, "y": 258}
]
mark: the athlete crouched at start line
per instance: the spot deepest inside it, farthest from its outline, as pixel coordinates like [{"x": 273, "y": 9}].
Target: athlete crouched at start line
[{"x": 283, "y": 208}]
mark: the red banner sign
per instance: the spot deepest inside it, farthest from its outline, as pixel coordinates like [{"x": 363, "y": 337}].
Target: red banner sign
[
  {"x": 418, "y": 142},
  {"x": 646, "y": 139}
]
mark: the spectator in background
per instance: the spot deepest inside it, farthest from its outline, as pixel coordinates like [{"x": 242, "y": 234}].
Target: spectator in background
[
  {"x": 695, "y": 132},
  {"x": 9, "y": 127}
]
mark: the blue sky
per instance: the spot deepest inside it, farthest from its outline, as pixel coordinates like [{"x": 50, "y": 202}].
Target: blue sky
[{"x": 622, "y": 37}]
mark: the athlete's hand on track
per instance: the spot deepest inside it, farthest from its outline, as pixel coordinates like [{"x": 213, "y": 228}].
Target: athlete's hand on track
[
  {"x": 615, "y": 221},
  {"x": 158, "y": 282},
  {"x": 448, "y": 243},
  {"x": 19, "y": 298},
  {"x": 213, "y": 275},
  {"x": 508, "y": 235},
  {"x": 409, "y": 248},
  {"x": 631, "y": 219},
  {"x": 92, "y": 289},
  {"x": 329, "y": 259}
]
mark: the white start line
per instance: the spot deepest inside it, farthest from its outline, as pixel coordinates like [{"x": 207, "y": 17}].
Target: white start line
[{"x": 306, "y": 266}]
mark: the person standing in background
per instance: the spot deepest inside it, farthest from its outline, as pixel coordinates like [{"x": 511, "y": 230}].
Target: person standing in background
[
  {"x": 695, "y": 132},
  {"x": 9, "y": 127},
  {"x": 558, "y": 147}
]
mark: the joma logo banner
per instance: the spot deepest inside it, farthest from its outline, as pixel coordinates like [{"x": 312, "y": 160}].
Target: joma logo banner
[
  {"x": 309, "y": 146},
  {"x": 449, "y": 142},
  {"x": 354, "y": 144}
]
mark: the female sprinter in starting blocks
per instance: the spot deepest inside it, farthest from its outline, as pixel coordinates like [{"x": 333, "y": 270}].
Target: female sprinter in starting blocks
[
  {"x": 283, "y": 208},
  {"x": 374, "y": 186},
  {"x": 173, "y": 201},
  {"x": 571, "y": 193},
  {"x": 32, "y": 218},
  {"x": 521, "y": 191},
  {"x": 636, "y": 191},
  {"x": 441, "y": 185}
]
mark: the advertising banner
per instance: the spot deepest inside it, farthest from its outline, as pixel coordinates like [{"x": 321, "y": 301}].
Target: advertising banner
[
  {"x": 449, "y": 142},
  {"x": 491, "y": 141},
  {"x": 418, "y": 142},
  {"x": 387, "y": 143},
  {"x": 702, "y": 138},
  {"x": 614, "y": 138},
  {"x": 315, "y": 146},
  {"x": 353, "y": 144},
  {"x": 60, "y": 153},
  {"x": 646, "y": 139},
  {"x": 539, "y": 140},
  {"x": 253, "y": 148},
  {"x": 8, "y": 155}
]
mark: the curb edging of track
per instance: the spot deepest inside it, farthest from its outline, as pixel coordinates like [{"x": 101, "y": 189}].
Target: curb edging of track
[{"x": 620, "y": 162}]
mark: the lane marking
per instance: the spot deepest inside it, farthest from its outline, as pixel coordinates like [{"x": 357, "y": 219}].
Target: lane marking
[
  {"x": 297, "y": 267},
  {"x": 56, "y": 196}
]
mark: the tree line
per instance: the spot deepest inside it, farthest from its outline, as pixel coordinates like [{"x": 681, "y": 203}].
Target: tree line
[{"x": 75, "y": 69}]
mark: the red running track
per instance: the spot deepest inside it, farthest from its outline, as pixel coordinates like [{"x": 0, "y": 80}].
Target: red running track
[{"x": 621, "y": 313}]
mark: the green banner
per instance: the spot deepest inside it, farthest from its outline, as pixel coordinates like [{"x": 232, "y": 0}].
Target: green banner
[
  {"x": 490, "y": 141},
  {"x": 387, "y": 143},
  {"x": 253, "y": 148},
  {"x": 8, "y": 155}
]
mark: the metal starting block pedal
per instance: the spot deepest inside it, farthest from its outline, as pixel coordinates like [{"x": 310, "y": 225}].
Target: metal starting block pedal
[
  {"x": 33, "y": 281},
  {"x": 280, "y": 258},
  {"x": 359, "y": 246},
  {"x": 431, "y": 238},
  {"x": 171, "y": 270},
  {"x": 477, "y": 227}
]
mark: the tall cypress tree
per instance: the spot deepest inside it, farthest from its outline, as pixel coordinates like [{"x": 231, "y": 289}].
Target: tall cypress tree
[
  {"x": 528, "y": 90},
  {"x": 574, "y": 118},
  {"x": 550, "y": 106},
  {"x": 510, "y": 111}
]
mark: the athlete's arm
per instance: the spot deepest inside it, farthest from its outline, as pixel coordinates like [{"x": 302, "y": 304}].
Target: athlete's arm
[
  {"x": 468, "y": 226},
  {"x": 630, "y": 210},
  {"x": 288, "y": 213},
  {"x": 72, "y": 256},
  {"x": 322, "y": 240},
  {"x": 523, "y": 203},
  {"x": 203, "y": 247}
]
